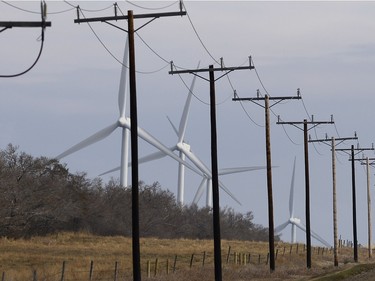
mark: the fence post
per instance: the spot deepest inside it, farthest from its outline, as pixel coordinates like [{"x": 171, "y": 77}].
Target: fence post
[
  {"x": 62, "y": 272},
  {"x": 297, "y": 249},
  {"x": 116, "y": 265},
  {"x": 268, "y": 257},
  {"x": 35, "y": 276},
  {"x": 249, "y": 258},
  {"x": 228, "y": 254},
  {"x": 148, "y": 269},
  {"x": 174, "y": 263},
  {"x": 290, "y": 251},
  {"x": 91, "y": 270},
  {"x": 284, "y": 251},
  {"x": 156, "y": 267},
  {"x": 235, "y": 258},
  {"x": 277, "y": 252},
  {"x": 259, "y": 259},
  {"x": 167, "y": 266},
  {"x": 191, "y": 260},
  {"x": 204, "y": 258}
]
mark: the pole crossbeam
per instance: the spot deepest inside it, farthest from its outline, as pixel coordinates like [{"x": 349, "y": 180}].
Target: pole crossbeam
[
  {"x": 138, "y": 16},
  {"x": 305, "y": 129},
  {"x": 11, "y": 24},
  {"x": 267, "y": 106}
]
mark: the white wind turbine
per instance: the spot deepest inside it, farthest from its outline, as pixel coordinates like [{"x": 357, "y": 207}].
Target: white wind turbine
[
  {"x": 124, "y": 123},
  {"x": 294, "y": 221},
  {"x": 185, "y": 151}
]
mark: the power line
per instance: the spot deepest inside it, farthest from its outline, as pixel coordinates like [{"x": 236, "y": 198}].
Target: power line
[
  {"x": 43, "y": 24},
  {"x": 90, "y": 10},
  {"x": 148, "y": 8}
]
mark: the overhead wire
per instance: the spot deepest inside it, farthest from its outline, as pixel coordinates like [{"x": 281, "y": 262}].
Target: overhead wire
[
  {"x": 37, "y": 58},
  {"x": 148, "y": 8},
  {"x": 89, "y": 10},
  {"x": 111, "y": 53}
]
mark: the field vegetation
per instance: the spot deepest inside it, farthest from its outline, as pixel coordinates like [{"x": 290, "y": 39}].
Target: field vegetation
[
  {"x": 56, "y": 225},
  {"x": 44, "y": 256}
]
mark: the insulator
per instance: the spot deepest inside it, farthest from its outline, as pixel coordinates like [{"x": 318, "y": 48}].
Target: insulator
[
  {"x": 258, "y": 92},
  {"x": 77, "y": 12},
  {"x": 115, "y": 8},
  {"x": 171, "y": 65},
  {"x": 221, "y": 62}
]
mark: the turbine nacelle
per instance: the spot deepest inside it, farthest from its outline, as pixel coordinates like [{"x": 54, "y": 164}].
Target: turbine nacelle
[
  {"x": 183, "y": 146},
  {"x": 295, "y": 220},
  {"x": 122, "y": 121}
]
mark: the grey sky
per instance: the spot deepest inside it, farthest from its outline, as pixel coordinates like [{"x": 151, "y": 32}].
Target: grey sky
[{"x": 325, "y": 48}]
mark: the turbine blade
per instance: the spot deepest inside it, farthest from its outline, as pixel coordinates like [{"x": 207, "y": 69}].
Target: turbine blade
[
  {"x": 151, "y": 157},
  {"x": 291, "y": 195},
  {"x": 300, "y": 226},
  {"x": 200, "y": 191},
  {"x": 313, "y": 234},
  {"x": 227, "y": 171},
  {"x": 122, "y": 88},
  {"x": 197, "y": 162},
  {"x": 185, "y": 113},
  {"x": 153, "y": 141},
  {"x": 226, "y": 190},
  {"x": 173, "y": 126},
  {"x": 90, "y": 140},
  {"x": 281, "y": 227},
  {"x": 110, "y": 171}
]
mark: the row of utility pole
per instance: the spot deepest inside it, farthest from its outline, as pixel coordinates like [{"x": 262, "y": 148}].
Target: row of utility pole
[
  {"x": 214, "y": 161},
  {"x": 306, "y": 126}
]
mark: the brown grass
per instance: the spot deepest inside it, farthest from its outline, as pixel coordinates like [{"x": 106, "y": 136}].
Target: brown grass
[{"x": 45, "y": 255}]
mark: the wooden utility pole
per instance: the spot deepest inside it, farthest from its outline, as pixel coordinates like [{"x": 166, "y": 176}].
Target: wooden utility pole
[
  {"x": 366, "y": 161},
  {"x": 133, "y": 120},
  {"x": 353, "y": 153},
  {"x": 333, "y": 145},
  {"x": 266, "y": 98},
  {"x": 305, "y": 130},
  {"x": 214, "y": 163}
]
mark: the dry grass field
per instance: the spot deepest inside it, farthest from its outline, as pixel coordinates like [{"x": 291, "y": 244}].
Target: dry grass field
[{"x": 86, "y": 256}]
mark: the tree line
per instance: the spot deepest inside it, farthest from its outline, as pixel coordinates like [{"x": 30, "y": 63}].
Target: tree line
[{"x": 39, "y": 196}]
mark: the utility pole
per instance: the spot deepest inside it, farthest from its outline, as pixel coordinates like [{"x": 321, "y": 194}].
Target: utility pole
[
  {"x": 133, "y": 118},
  {"x": 366, "y": 161},
  {"x": 333, "y": 145},
  {"x": 214, "y": 165},
  {"x": 305, "y": 130},
  {"x": 266, "y": 98},
  {"x": 353, "y": 153}
]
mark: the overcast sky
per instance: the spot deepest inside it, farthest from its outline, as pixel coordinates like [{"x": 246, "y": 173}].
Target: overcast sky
[{"x": 327, "y": 49}]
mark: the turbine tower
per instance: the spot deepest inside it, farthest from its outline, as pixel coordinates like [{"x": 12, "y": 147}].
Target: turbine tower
[
  {"x": 124, "y": 123},
  {"x": 294, "y": 221}
]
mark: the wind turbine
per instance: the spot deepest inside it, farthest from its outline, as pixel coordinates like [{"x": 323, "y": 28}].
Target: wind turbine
[
  {"x": 124, "y": 123},
  {"x": 294, "y": 221},
  {"x": 184, "y": 150}
]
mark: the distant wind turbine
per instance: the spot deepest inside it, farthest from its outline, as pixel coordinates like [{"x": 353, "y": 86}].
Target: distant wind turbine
[
  {"x": 294, "y": 221},
  {"x": 185, "y": 151},
  {"x": 124, "y": 123}
]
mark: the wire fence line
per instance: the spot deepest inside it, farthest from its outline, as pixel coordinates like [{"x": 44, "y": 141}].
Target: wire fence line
[{"x": 156, "y": 266}]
